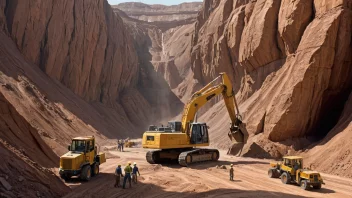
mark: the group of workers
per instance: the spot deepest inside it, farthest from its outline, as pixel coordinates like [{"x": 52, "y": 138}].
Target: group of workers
[{"x": 130, "y": 174}]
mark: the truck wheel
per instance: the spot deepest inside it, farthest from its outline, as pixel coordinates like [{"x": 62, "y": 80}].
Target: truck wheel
[
  {"x": 304, "y": 185},
  {"x": 86, "y": 173},
  {"x": 271, "y": 173},
  {"x": 285, "y": 178},
  {"x": 317, "y": 186},
  {"x": 95, "y": 169}
]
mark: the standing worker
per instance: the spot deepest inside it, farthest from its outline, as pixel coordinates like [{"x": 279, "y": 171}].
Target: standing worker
[
  {"x": 128, "y": 171},
  {"x": 122, "y": 145},
  {"x": 231, "y": 172},
  {"x": 118, "y": 174},
  {"x": 134, "y": 173},
  {"x": 118, "y": 145}
]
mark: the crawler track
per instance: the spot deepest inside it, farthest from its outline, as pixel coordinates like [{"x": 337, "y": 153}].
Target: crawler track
[{"x": 198, "y": 155}]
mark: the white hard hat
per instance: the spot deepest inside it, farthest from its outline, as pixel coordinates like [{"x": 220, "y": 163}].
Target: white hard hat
[{"x": 134, "y": 163}]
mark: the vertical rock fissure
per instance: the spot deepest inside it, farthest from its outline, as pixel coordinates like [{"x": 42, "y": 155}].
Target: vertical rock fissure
[
  {"x": 9, "y": 13},
  {"x": 84, "y": 36},
  {"x": 6, "y": 7},
  {"x": 42, "y": 53}
]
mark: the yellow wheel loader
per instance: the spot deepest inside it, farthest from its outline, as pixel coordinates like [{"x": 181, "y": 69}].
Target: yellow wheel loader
[
  {"x": 180, "y": 140},
  {"x": 291, "y": 170},
  {"x": 82, "y": 160}
]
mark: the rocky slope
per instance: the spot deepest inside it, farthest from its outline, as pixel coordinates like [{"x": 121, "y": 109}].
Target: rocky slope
[
  {"x": 290, "y": 62},
  {"x": 68, "y": 68}
]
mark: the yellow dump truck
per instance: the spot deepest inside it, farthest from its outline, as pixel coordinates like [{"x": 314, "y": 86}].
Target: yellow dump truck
[
  {"x": 82, "y": 160},
  {"x": 291, "y": 170}
]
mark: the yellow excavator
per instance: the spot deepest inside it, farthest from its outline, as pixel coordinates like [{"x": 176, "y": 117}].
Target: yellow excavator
[{"x": 181, "y": 140}]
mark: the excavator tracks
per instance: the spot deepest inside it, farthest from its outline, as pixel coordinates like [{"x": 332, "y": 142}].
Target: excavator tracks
[
  {"x": 153, "y": 157},
  {"x": 185, "y": 157},
  {"x": 198, "y": 155}
]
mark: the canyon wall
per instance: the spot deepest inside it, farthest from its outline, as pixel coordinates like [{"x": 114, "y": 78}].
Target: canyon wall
[
  {"x": 68, "y": 68},
  {"x": 163, "y": 46},
  {"x": 85, "y": 46},
  {"x": 290, "y": 62}
]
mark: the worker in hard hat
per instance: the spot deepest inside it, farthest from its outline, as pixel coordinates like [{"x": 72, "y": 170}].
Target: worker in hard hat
[
  {"x": 231, "y": 172},
  {"x": 134, "y": 173},
  {"x": 118, "y": 174},
  {"x": 128, "y": 171}
]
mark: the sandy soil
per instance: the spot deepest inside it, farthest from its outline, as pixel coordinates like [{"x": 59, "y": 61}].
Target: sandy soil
[{"x": 201, "y": 180}]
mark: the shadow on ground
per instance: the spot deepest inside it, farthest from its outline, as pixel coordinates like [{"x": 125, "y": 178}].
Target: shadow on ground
[
  {"x": 102, "y": 186},
  {"x": 205, "y": 165}
]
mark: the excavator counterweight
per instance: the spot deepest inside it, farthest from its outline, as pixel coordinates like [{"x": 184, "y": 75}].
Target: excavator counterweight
[{"x": 178, "y": 141}]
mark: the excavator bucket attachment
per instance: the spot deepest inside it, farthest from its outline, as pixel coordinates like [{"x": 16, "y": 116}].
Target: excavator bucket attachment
[{"x": 236, "y": 135}]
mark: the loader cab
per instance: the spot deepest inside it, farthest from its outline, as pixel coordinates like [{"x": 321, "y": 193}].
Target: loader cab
[
  {"x": 199, "y": 133},
  {"x": 293, "y": 162},
  {"x": 84, "y": 145}
]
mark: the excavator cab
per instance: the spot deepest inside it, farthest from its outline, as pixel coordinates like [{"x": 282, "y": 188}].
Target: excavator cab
[{"x": 199, "y": 133}]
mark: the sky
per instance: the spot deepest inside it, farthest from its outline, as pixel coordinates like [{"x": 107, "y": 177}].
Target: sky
[{"x": 164, "y": 2}]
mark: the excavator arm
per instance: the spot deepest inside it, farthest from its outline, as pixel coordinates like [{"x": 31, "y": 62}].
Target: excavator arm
[{"x": 201, "y": 97}]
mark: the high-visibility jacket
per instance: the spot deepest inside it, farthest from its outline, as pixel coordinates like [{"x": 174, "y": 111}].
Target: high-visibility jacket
[{"x": 128, "y": 169}]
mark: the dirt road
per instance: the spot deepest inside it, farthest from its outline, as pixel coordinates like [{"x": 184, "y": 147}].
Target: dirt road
[{"x": 201, "y": 180}]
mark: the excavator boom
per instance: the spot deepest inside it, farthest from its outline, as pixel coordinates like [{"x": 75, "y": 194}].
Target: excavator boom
[{"x": 201, "y": 97}]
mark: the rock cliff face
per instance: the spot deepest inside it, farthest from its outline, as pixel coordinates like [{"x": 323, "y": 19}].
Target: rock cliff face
[
  {"x": 79, "y": 43},
  {"x": 86, "y": 47},
  {"x": 290, "y": 62},
  {"x": 68, "y": 68}
]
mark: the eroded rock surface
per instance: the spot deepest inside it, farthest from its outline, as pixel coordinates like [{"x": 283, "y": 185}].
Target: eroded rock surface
[
  {"x": 290, "y": 62},
  {"x": 68, "y": 69}
]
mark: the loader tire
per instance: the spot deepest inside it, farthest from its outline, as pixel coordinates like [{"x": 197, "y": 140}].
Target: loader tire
[
  {"x": 86, "y": 173},
  {"x": 95, "y": 169},
  {"x": 305, "y": 185},
  {"x": 285, "y": 178},
  {"x": 272, "y": 173}
]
